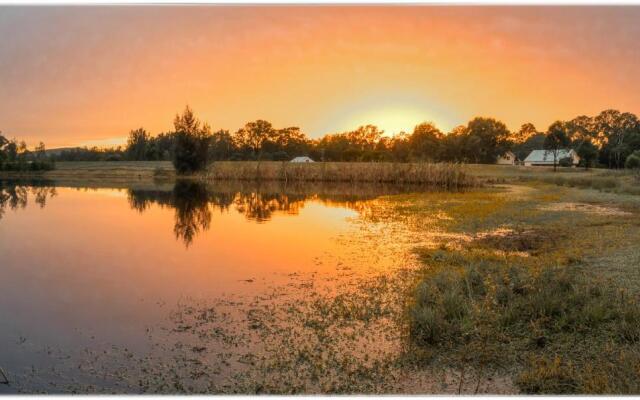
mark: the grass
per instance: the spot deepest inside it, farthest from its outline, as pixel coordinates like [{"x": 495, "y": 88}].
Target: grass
[
  {"x": 517, "y": 294},
  {"x": 604, "y": 180},
  {"x": 440, "y": 175},
  {"x": 112, "y": 165},
  {"x": 492, "y": 314},
  {"x": 446, "y": 176},
  {"x": 450, "y": 176}
]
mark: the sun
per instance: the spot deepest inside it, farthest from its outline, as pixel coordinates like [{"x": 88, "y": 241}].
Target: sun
[{"x": 391, "y": 119}]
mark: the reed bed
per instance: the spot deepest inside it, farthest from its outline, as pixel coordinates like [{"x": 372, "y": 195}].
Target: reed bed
[{"x": 448, "y": 176}]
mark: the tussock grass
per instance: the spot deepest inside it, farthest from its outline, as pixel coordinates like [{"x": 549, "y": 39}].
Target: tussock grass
[
  {"x": 603, "y": 180},
  {"x": 604, "y": 183},
  {"x": 614, "y": 371},
  {"x": 528, "y": 293},
  {"x": 555, "y": 324},
  {"x": 450, "y": 176},
  {"x": 533, "y": 241},
  {"x": 620, "y": 183}
]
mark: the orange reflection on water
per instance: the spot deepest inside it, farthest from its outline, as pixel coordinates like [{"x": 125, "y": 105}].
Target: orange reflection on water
[
  {"x": 101, "y": 260},
  {"x": 100, "y": 267}
]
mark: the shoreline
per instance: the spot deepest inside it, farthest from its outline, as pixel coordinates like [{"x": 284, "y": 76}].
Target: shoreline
[
  {"x": 454, "y": 176},
  {"x": 438, "y": 175}
]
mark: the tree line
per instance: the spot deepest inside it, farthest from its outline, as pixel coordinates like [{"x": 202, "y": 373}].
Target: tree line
[
  {"x": 608, "y": 139},
  {"x": 14, "y": 156}
]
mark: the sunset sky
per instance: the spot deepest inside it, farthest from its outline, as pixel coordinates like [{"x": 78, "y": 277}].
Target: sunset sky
[{"x": 85, "y": 75}]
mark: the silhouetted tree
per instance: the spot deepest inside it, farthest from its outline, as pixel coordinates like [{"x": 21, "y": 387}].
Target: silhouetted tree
[
  {"x": 254, "y": 135},
  {"x": 425, "y": 142},
  {"x": 535, "y": 142},
  {"x": 40, "y": 151},
  {"x": 222, "y": 146},
  {"x": 192, "y": 140},
  {"x": 556, "y": 139},
  {"x": 399, "y": 147},
  {"x": 587, "y": 151},
  {"x": 3, "y": 150},
  {"x": 525, "y": 132},
  {"x": 138, "y": 145},
  {"x": 581, "y": 128},
  {"x": 12, "y": 151},
  {"x": 290, "y": 141},
  {"x": 614, "y": 130},
  {"x": 487, "y": 139}
]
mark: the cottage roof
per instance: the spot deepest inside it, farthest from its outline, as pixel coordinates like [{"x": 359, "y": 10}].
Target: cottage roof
[
  {"x": 546, "y": 156},
  {"x": 302, "y": 159}
]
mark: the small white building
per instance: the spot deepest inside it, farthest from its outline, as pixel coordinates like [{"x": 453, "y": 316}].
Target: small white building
[
  {"x": 545, "y": 157},
  {"x": 302, "y": 159},
  {"x": 508, "y": 158}
]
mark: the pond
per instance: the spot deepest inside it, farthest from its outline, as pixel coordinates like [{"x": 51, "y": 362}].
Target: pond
[{"x": 97, "y": 283}]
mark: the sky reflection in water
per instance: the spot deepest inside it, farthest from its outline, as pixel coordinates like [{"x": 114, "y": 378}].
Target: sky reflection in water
[{"x": 82, "y": 266}]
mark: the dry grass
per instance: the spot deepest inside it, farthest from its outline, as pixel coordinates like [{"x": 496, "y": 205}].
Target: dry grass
[
  {"x": 445, "y": 176},
  {"x": 603, "y": 180},
  {"x": 535, "y": 294},
  {"x": 553, "y": 322},
  {"x": 450, "y": 176},
  {"x": 103, "y": 171},
  {"x": 112, "y": 165}
]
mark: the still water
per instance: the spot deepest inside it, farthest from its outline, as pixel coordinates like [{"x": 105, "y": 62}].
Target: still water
[{"x": 88, "y": 271}]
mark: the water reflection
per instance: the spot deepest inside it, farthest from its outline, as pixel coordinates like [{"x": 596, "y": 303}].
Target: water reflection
[
  {"x": 119, "y": 252},
  {"x": 191, "y": 203},
  {"x": 15, "y": 194},
  {"x": 194, "y": 202}
]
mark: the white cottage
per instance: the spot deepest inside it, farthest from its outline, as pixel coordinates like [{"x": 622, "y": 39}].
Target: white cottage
[
  {"x": 303, "y": 159},
  {"x": 545, "y": 157},
  {"x": 508, "y": 158}
]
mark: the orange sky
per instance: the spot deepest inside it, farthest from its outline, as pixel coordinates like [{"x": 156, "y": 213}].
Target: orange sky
[{"x": 83, "y": 75}]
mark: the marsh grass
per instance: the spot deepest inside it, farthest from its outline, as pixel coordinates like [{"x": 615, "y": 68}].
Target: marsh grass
[
  {"x": 450, "y": 176},
  {"x": 554, "y": 324}
]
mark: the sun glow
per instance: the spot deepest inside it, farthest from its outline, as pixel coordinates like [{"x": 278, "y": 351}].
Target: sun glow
[
  {"x": 390, "y": 66},
  {"x": 105, "y": 143},
  {"x": 392, "y": 120}
]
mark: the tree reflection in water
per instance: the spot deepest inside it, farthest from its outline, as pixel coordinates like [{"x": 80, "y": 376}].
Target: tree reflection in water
[
  {"x": 15, "y": 194},
  {"x": 194, "y": 202},
  {"x": 260, "y": 207}
]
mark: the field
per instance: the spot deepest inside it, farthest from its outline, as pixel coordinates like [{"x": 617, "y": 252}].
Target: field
[
  {"x": 616, "y": 181},
  {"x": 99, "y": 173}
]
